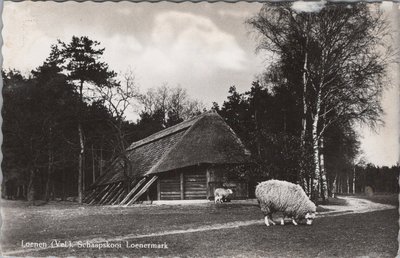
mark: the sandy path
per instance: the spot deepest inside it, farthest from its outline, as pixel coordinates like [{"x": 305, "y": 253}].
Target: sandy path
[{"x": 353, "y": 206}]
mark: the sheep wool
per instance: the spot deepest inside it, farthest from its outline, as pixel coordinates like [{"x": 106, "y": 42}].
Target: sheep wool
[
  {"x": 282, "y": 196},
  {"x": 221, "y": 194}
]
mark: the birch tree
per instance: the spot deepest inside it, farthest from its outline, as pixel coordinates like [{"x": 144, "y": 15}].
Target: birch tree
[
  {"x": 342, "y": 66},
  {"x": 346, "y": 74}
]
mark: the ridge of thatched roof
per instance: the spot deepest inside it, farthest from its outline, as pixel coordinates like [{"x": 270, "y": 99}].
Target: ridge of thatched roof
[
  {"x": 208, "y": 141},
  {"x": 205, "y": 139},
  {"x": 166, "y": 132}
]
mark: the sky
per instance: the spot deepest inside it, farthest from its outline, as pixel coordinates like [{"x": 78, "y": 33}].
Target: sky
[{"x": 203, "y": 47}]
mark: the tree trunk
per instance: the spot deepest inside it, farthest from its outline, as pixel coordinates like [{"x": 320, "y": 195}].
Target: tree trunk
[
  {"x": 31, "y": 186},
  {"x": 80, "y": 168},
  {"x": 6, "y": 190},
  {"x": 302, "y": 172},
  {"x": 324, "y": 183},
  {"x": 334, "y": 187},
  {"x": 316, "y": 176},
  {"x": 396, "y": 42},
  {"x": 82, "y": 147},
  {"x": 83, "y": 175},
  {"x": 24, "y": 193},
  {"x": 93, "y": 166},
  {"x": 64, "y": 182},
  {"x": 347, "y": 184},
  {"x": 53, "y": 191},
  {"x": 49, "y": 167},
  {"x": 18, "y": 192},
  {"x": 354, "y": 180},
  {"x": 337, "y": 185},
  {"x": 341, "y": 185},
  {"x": 48, "y": 179}
]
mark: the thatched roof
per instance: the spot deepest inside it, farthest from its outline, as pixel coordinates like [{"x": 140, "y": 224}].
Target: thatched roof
[{"x": 205, "y": 139}]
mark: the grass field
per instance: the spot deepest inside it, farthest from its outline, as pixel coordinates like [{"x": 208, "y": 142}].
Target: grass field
[{"x": 372, "y": 234}]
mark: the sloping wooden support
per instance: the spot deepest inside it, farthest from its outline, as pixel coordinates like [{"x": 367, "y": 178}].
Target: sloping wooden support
[
  {"x": 100, "y": 194},
  {"x": 119, "y": 196},
  {"x": 114, "y": 195},
  {"x": 88, "y": 196},
  {"x": 134, "y": 182},
  {"x": 111, "y": 193},
  {"x": 149, "y": 183},
  {"x": 107, "y": 193},
  {"x": 133, "y": 191},
  {"x": 96, "y": 192}
]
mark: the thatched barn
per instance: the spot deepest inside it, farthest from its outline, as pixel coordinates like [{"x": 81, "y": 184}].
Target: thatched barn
[{"x": 183, "y": 162}]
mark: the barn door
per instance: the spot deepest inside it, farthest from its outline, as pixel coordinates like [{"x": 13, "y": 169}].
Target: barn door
[
  {"x": 169, "y": 186},
  {"x": 195, "y": 184}
]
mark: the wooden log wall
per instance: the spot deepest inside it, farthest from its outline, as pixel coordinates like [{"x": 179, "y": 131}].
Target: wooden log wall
[
  {"x": 195, "y": 185},
  {"x": 170, "y": 187},
  {"x": 183, "y": 184},
  {"x": 192, "y": 183}
]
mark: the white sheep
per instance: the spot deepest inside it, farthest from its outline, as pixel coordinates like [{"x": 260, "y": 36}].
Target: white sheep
[
  {"x": 221, "y": 195},
  {"x": 281, "y": 196}
]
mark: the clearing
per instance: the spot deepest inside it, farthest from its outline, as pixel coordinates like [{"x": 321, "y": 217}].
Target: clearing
[{"x": 348, "y": 227}]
